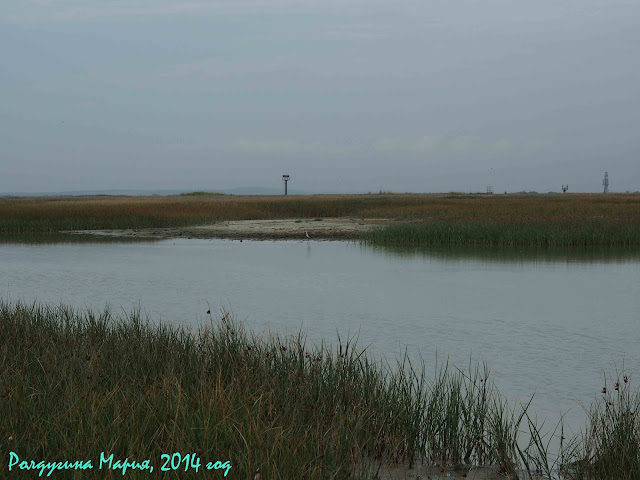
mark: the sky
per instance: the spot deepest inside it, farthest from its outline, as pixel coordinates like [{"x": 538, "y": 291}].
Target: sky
[{"x": 342, "y": 95}]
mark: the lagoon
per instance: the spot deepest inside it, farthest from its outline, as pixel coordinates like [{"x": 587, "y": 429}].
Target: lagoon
[{"x": 548, "y": 322}]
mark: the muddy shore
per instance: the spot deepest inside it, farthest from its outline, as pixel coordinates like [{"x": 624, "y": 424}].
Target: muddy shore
[{"x": 315, "y": 229}]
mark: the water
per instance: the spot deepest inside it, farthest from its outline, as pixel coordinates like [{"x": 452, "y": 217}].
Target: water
[{"x": 547, "y": 323}]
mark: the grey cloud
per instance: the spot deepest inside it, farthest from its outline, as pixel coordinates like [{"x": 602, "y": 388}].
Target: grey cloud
[
  {"x": 368, "y": 89},
  {"x": 279, "y": 146},
  {"x": 425, "y": 144},
  {"x": 361, "y": 31},
  {"x": 219, "y": 67},
  {"x": 440, "y": 144},
  {"x": 43, "y": 11}
]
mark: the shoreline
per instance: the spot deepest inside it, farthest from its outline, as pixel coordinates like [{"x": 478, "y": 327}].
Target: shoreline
[
  {"x": 406, "y": 219},
  {"x": 388, "y": 424},
  {"x": 279, "y": 229},
  {"x": 271, "y": 381}
]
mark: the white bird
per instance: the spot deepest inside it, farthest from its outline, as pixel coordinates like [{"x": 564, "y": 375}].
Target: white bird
[{"x": 306, "y": 233}]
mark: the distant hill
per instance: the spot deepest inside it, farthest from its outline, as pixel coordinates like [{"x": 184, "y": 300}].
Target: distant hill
[
  {"x": 74, "y": 193},
  {"x": 229, "y": 191}
]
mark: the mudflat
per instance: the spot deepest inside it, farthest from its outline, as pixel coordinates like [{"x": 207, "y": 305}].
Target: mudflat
[{"x": 308, "y": 228}]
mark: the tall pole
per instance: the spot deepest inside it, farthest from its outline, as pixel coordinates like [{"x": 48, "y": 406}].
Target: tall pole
[
  {"x": 285, "y": 178},
  {"x": 605, "y": 182}
]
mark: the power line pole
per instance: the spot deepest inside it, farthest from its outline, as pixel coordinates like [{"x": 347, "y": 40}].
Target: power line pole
[
  {"x": 285, "y": 178},
  {"x": 605, "y": 182}
]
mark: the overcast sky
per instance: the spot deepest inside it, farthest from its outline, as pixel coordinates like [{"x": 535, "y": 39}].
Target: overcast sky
[{"x": 343, "y": 95}]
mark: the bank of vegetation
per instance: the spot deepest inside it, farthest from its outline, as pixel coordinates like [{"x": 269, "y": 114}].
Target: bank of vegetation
[
  {"x": 76, "y": 384},
  {"x": 538, "y": 232},
  {"x": 422, "y": 219}
]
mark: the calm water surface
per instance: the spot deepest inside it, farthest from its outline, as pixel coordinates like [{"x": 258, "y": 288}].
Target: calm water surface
[{"x": 547, "y": 323}]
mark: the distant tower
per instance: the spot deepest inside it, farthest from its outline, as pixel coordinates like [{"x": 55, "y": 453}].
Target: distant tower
[
  {"x": 605, "y": 182},
  {"x": 285, "y": 179}
]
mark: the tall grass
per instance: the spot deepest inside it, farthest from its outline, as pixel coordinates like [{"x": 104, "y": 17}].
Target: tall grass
[
  {"x": 610, "y": 445},
  {"x": 434, "y": 219},
  {"x": 75, "y": 384},
  {"x": 538, "y": 233},
  {"x": 48, "y": 215}
]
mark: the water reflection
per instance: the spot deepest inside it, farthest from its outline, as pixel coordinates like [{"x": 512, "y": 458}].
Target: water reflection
[
  {"x": 453, "y": 254},
  {"x": 511, "y": 255},
  {"x": 63, "y": 238}
]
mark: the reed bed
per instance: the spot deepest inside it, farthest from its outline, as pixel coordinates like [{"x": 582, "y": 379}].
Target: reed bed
[
  {"x": 76, "y": 384},
  {"x": 537, "y": 233},
  {"x": 53, "y": 214},
  {"x": 438, "y": 219}
]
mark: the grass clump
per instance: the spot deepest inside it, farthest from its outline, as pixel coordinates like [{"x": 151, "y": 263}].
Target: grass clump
[
  {"x": 607, "y": 449},
  {"x": 76, "y": 384},
  {"x": 610, "y": 445}
]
